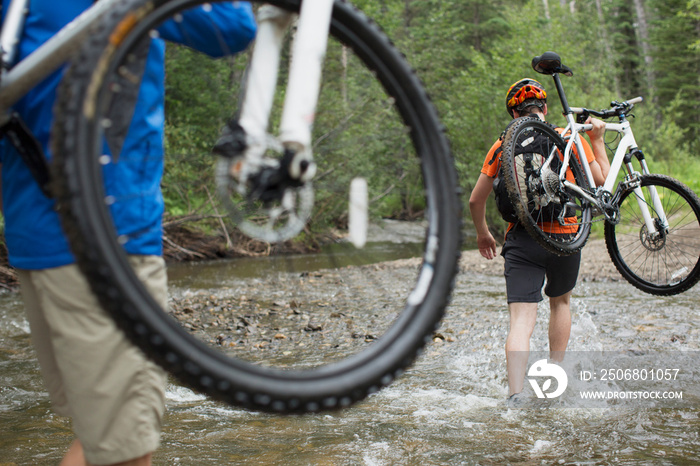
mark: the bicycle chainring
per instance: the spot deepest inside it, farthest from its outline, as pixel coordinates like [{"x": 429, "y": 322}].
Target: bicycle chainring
[{"x": 652, "y": 243}]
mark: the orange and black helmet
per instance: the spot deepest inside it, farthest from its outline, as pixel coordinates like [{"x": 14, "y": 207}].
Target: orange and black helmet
[{"x": 523, "y": 90}]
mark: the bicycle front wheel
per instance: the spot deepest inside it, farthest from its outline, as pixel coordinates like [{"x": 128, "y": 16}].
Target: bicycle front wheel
[
  {"x": 275, "y": 331},
  {"x": 666, "y": 262},
  {"x": 558, "y": 218}
]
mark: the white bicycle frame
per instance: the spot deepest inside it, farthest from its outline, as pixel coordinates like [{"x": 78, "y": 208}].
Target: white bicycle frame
[
  {"x": 15, "y": 82},
  {"x": 627, "y": 143},
  {"x": 298, "y": 112},
  {"x": 304, "y": 81}
]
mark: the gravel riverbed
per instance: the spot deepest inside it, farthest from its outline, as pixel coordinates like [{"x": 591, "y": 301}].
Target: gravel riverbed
[{"x": 314, "y": 317}]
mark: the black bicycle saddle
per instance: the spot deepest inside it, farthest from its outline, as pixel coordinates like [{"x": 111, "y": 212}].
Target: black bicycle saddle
[{"x": 550, "y": 63}]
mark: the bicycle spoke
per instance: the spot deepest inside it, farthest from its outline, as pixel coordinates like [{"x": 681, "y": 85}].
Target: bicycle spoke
[{"x": 667, "y": 261}]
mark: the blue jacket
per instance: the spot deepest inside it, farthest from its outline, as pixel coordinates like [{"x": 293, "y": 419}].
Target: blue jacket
[{"x": 33, "y": 231}]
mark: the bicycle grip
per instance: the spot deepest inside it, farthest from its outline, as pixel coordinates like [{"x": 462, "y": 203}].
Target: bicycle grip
[{"x": 636, "y": 100}]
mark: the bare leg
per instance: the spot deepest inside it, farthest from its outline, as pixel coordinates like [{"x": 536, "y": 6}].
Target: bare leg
[
  {"x": 559, "y": 325},
  {"x": 75, "y": 457},
  {"x": 522, "y": 323}
]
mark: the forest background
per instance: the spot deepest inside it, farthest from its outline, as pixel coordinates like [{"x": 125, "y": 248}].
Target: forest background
[{"x": 467, "y": 53}]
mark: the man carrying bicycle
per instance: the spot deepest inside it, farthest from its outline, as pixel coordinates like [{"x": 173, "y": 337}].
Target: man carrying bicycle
[
  {"x": 112, "y": 393},
  {"x": 527, "y": 264}
]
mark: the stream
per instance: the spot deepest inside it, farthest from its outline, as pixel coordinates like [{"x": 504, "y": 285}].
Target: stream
[{"x": 449, "y": 408}]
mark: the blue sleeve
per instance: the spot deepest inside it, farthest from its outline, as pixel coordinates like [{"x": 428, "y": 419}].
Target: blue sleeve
[{"x": 216, "y": 29}]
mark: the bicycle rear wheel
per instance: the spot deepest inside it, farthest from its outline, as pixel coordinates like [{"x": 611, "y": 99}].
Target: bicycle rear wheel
[
  {"x": 667, "y": 263},
  {"x": 557, "y": 218},
  {"x": 282, "y": 335}
]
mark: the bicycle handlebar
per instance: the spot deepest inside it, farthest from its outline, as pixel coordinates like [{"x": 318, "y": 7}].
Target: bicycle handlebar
[{"x": 617, "y": 109}]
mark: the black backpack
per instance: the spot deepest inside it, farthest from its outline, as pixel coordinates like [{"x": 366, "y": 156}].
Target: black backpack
[
  {"x": 503, "y": 202},
  {"x": 505, "y": 207}
]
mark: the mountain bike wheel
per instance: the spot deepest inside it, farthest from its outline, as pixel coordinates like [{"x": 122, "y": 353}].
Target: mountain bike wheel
[
  {"x": 665, "y": 264},
  {"x": 557, "y": 218},
  {"x": 281, "y": 334}
]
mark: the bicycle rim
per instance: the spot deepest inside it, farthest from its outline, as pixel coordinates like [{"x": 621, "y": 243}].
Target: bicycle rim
[
  {"x": 286, "y": 336},
  {"x": 535, "y": 191},
  {"x": 667, "y": 263}
]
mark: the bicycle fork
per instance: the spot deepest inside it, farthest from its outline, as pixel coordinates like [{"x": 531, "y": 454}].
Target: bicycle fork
[
  {"x": 654, "y": 229},
  {"x": 301, "y": 95},
  {"x": 285, "y": 181}
]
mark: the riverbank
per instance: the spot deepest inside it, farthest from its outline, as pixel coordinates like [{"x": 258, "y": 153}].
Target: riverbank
[
  {"x": 182, "y": 244},
  {"x": 185, "y": 244}
]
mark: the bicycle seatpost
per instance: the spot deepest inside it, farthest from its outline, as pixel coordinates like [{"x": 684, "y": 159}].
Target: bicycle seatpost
[{"x": 562, "y": 95}]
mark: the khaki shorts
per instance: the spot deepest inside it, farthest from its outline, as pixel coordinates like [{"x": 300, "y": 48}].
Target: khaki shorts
[{"x": 114, "y": 395}]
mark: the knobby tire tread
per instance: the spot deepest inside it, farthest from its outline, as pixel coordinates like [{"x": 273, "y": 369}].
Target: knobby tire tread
[
  {"x": 524, "y": 217},
  {"x": 144, "y": 322}
]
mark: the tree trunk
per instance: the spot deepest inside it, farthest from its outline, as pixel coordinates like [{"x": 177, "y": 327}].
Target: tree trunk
[
  {"x": 477, "y": 33},
  {"x": 606, "y": 40},
  {"x": 344, "y": 89},
  {"x": 643, "y": 33}
]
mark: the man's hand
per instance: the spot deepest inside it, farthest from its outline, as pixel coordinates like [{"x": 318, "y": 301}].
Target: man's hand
[
  {"x": 487, "y": 245},
  {"x": 601, "y": 166},
  {"x": 598, "y": 130}
]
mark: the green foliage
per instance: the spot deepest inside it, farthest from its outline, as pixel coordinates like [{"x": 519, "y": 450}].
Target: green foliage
[
  {"x": 675, "y": 37},
  {"x": 467, "y": 52},
  {"x": 624, "y": 40},
  {"x": 201, "y": 95}
]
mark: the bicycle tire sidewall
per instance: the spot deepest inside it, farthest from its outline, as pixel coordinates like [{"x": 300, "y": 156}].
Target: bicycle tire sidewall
[
  {"x": 103, "y": 262},
  {"x": 524, "y": 217}
]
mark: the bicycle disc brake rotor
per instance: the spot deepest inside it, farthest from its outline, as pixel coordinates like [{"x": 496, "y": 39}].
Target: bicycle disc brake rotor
[
  {"x": 651, "y": 243},
  {"x": 269, "y": 221}
]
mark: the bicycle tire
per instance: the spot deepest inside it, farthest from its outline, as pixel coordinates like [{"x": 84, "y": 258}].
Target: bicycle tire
[
  {"x": 669, "y": 264},
  {"x": 526, "y": 146},
  {"x": 100, "y": 255}
]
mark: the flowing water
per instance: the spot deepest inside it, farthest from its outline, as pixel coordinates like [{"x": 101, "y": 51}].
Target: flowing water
[{"x": 449, "y": 408}]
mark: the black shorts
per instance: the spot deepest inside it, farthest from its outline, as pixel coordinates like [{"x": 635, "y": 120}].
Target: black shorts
[{"x": 527, "y": 264}]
